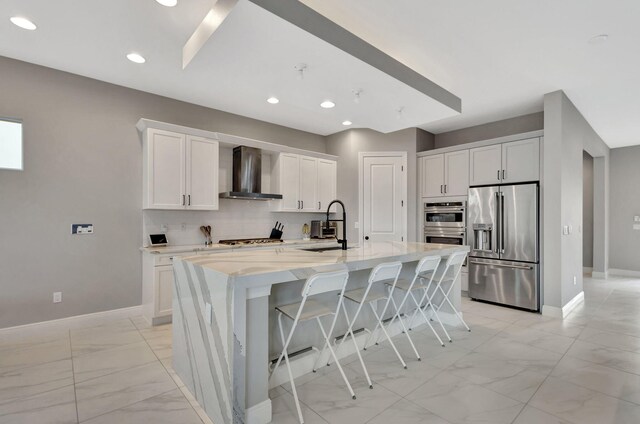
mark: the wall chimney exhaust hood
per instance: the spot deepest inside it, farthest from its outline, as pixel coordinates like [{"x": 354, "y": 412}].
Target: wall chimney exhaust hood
[{"x": 247, "y": 176}]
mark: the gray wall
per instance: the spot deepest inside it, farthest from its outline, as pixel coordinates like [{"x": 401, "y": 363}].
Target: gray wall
[
  {"x": 346, "y": 146},
  {"x": 567, "y": 135},
  {"x": 83, "y": 164},
  {"x": 625, "y": 195},
  {"x": 517, "y": 125},
  {"x": 587, "y": 210}
]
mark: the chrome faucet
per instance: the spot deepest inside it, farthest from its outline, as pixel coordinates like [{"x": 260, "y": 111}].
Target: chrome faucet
[{"x": 343, "y": 242}]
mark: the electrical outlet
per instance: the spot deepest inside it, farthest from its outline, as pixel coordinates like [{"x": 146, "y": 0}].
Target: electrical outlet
[
  {"x": 81, "y": 229},
  {"x": 565, "y": 230},
  {"x": 57, "y": 297},
  {"x": 356, "y": 225},
  {"x": 575, "y": 280}
]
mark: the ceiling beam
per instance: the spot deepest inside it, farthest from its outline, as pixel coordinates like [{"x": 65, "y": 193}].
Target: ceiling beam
[
  {"x": 304, "y": 17},
  {"x": 205, "y": 30}
]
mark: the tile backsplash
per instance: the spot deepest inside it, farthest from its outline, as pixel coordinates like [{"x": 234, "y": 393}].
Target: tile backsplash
[{"x": 235, "y": 219}]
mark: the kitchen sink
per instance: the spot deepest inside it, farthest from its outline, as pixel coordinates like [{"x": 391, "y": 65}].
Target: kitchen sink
[{"x": 322, "y": 249}]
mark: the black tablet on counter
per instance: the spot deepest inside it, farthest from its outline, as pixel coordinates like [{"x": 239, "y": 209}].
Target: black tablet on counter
[{"x": 158, "y": 240}]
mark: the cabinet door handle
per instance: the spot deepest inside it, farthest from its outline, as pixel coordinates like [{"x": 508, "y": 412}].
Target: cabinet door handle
[
  {"x": 189, "y": 200},
  {"x": 503, "y": 174},
  {"x": 445, "y": 189},
  {"x": 441, "y": 192},
  {"x": 302, "y": 207},
  {"x": 183, "y": 200},
  {"x": 498, "y": 175},
  {"x": 319, "y": 206}
]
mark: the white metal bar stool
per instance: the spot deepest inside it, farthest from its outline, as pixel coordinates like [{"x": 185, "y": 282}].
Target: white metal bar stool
[
  {"x": 449, "y": 275},
  {"x": 309, "y": 309},
  {"x": 425, "y": 269},
  {"x": 386, "y": 273}
]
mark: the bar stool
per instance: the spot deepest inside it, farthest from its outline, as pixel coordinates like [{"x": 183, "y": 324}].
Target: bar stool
[
  {"x": 309, "y": 309},
  {"x": 449, "y": 275},
  {"x": 425, "y": 269},
  {"x": 386, "y": 273}
]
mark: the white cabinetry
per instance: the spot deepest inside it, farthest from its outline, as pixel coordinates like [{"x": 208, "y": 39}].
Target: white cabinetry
[
  {"x": 446, "y": 174},
  {"x": 179, "y": 171},
  {"x": 157, "y": 288},
  {"x": 486, "y": 164},
  {"x": 327, "y": 184},
  {"x": 514, "y": 162},
  {"x": 307, "y": 184},
  {"x": 521, "y": 161}
]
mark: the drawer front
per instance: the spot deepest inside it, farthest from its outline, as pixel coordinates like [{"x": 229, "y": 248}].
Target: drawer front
[{"x": 161, "y": 260}]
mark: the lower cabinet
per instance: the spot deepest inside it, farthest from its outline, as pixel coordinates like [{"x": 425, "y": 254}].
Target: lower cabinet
[{"x": 157, "y": 288}]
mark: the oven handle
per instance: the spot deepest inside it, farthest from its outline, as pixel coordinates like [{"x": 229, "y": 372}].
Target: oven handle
[{"x": 436, "y": 210}]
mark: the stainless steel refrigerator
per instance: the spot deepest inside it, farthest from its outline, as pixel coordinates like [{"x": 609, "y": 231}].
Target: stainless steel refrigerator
[{"x": 503, "y": 227}]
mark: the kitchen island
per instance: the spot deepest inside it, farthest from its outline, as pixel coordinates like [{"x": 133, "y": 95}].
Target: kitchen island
[{"x": 222, "y": 314}]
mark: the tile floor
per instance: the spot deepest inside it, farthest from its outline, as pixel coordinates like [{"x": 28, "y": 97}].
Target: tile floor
[{"x": 514, "y": 367}]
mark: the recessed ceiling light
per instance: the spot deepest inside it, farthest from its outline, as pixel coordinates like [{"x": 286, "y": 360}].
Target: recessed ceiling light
[
  {"x": 601, "y": 38},
  {"x": 168, "y": 3},
  {"x": 273, "y": 100},
  {"x": 327, "y": 104},
  {"x": 346, "y": 123},
  {"x": 23, "y": 23},
  {"x": 136, "y": 58}
]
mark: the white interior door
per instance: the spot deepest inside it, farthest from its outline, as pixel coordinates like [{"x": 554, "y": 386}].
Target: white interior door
[{"x": 384, "y": 182}]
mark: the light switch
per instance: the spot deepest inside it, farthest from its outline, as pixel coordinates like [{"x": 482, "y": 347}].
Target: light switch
[
  {"x": 81, "y": 229},
  {"x": 565, "y": 230}
]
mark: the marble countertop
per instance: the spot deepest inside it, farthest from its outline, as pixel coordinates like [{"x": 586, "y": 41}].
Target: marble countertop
[
  {"x": 281, "y": 264},
  {"x": 166, "y": 250}
]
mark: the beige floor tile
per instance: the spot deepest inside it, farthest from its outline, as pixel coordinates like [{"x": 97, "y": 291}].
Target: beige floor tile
[
  {"x": 615, "y": 358},
  {"x": 495, "y": 374},
  {"x": 284, "y": 411},
  {"x": 405, "y": 412},
  {"x": 103, "y": 362},
  {"x": 521, "y": 354},
  {"x": 460, "y": 401},
  {"x": 167, "y": 408},
  {"x": 118, "y": 390},
  {"x": 583, "y": 406},
  {"x": 34, "y": 352},
  {"x": 17, "y": 383},
  {"x": 531, "y": 415},
  {"x": 108, "y": 336},
  {"x": 52, "y": 407}
]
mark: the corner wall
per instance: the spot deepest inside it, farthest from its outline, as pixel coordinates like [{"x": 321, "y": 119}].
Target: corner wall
[
  {"x": 625, "y": 180},
  {"x": 567, "y": 135}
]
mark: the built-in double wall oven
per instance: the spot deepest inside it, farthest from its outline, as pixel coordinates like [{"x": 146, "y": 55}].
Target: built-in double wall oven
[{"x": 445, "y": 223}]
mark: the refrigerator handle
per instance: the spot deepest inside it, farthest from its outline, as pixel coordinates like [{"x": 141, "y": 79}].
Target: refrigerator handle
[
  {"x": 497, "y": 226},
  {"x": 502, "y": 223}
]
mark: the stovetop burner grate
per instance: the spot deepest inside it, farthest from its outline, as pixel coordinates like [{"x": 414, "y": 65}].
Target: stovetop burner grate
[{"x": 235, "y": 242}]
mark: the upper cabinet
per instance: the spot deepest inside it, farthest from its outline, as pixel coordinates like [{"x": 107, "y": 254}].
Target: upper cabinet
[
  {"x": 521, "y": 161},
  {"x": 445, "y": 174},
  {"x": 307, "y": 184},
  {"x": 179, "y": 171},
  {"x": 514, "y": 162}
]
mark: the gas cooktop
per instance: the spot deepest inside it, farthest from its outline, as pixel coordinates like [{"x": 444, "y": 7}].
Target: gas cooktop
[{"x": 250, "y": 241}]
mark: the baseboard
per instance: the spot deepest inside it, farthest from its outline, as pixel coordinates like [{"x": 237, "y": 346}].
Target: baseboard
[
  {"x": 599, "y": 275},
  {"x": 259, "y": 414},
  {"x": 623, "y": 272},
  {"x": 77, "y": 321},
  {"x": 587, "y": 269},
  {"x": 555, "y": 312}
]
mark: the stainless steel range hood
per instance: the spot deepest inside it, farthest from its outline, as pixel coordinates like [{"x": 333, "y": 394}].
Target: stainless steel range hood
[{"x": 247, "y": 176}]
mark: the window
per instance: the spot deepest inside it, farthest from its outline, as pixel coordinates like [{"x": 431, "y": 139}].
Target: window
[{"x": 10, "y": 144}]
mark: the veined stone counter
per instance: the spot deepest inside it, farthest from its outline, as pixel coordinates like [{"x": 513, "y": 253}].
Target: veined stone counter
[{"x": 221, "y": 317}]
